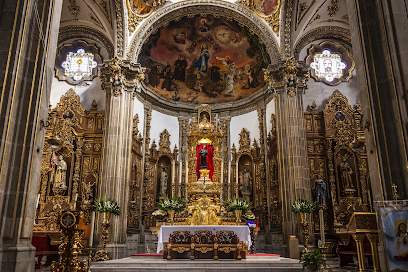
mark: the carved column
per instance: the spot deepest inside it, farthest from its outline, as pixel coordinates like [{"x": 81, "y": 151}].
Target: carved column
[
  {"x": 359, "y": 238},
  {"x": 226, "y": 156},
  {"x": 373, "y": 238},
  {"x": 289, "y": 82},
  {"x": 119, "y": 80},
  {"x": 183, "y": 125}
]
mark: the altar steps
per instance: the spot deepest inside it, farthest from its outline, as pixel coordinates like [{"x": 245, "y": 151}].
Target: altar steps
[{"x": 155, "y": 263}]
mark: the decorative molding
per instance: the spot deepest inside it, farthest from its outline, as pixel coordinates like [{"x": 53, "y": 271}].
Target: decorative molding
[
  {"x": 119, "y": 28},
  {"x": 288, "y": 28},
  {"x": 328, "y": 32},
  {"x": 134, "y": 18},
  {"x": 272, "y": 19},
  {"x": 73, "y": 8},
  {"x": 78, "y": 32},
  {"x": 333, "y": 8}
]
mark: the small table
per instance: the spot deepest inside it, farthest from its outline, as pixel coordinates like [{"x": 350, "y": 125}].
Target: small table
[{"x": 242, "y": 232}]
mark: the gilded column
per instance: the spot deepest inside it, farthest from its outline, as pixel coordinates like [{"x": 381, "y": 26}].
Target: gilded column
[
  {"x": 359, "y": 238},
  {"x": 119, "y": 80},
  {"x": 288, "y": 82},
  {"x": 373, "y": 238}
]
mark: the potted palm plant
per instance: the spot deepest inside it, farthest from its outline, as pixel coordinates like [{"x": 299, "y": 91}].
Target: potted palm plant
[
  {"x": 238, "y": 205},
  {"x": 311, "y": 260},
  {"x": 171, "y": 205}
]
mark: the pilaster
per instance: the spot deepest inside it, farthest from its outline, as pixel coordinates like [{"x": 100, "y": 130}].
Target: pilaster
[{"x": 119, "y": 80}]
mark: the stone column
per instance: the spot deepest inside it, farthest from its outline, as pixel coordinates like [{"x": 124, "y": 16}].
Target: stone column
[
  {"x": 119, "y": 80},
  {"x": 288, "y": 83},
  {"x": 27, "y": 56}
]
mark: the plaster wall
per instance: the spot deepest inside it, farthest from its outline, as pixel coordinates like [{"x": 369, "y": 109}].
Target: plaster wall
[
  {"x": 160, "y": 122},
  {"x": 270, "y": 109},
  {"x": 138, "y": 108},
  {"x": 249, "y": 121},
  {"x": 87, "y": 91}
]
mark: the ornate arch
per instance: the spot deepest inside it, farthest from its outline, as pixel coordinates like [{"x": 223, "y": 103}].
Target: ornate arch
[
  {"x": 81, "y": 32},
  {"x": 324, "y": 32},
  {"x": 176, "y": 11}
]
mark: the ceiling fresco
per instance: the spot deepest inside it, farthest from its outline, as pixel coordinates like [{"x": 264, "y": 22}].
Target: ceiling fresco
[{"x": 209, "y": 59}]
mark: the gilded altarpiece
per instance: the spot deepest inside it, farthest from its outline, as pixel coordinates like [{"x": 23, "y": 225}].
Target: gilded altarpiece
[
  {"x": 337, "y": 155},
  {"x": 247, "y": 166},
  {"x": 78, "y": 153}
]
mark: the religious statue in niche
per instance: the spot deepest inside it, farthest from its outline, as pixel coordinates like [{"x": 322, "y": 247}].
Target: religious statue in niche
[
  {"x": 245, "y": 183},
  {"x": 163, "y": 182},
  {"x": 346, "y": 173},
  {"x": 203, "y": 153},
  {"x": 320, "y": 191},
  {"x": 87, "y": 192},
  {"x": 58, "y": 171}
]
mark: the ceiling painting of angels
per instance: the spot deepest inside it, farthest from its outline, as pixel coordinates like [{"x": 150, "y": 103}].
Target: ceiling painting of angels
[{"x": 204, "y": 60}]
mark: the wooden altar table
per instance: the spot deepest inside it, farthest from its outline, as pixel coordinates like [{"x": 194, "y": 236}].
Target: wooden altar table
[{"x": 242, "y": 232}]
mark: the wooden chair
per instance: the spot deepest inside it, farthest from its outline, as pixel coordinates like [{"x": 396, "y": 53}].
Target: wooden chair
[
  {"x": 227, "y": 241},
  {"x": 180, "y": 241},
  {"x": 43, "y": 247},
  {"x": 204, "y": 243}
]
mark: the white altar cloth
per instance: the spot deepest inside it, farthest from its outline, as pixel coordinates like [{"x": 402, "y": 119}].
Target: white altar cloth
[{"x": 242, "y": 232}]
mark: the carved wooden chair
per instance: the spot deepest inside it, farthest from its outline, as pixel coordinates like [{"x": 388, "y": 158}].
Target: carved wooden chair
[
  {"x": 227, "y": 241},
  {"x": 180, "y": 241},
  {"x": 204, "y": 242}
]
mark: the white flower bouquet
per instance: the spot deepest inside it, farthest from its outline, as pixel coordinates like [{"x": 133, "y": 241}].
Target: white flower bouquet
[
  {"x": 172, "y": 203},
  {"x": 107, "y": 205},
  {"x": 303, "y": 206},
  {"x": 238, "y": 204}
]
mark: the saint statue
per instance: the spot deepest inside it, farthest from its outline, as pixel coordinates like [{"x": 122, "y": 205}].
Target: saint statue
[
  {"x": 59, "y": 172},
  {"x": 163, "y": 182},
  {"x": 203, "y": 153},
  {"x": 246, "y": 182},
  {"x": 346, "y": 172},
  {"x": 320, "y": 191}
]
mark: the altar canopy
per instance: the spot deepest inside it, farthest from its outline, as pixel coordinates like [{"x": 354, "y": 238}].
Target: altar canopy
[
  {"x": 210, "y": 156},
  {"x": 242, "y": 232}
]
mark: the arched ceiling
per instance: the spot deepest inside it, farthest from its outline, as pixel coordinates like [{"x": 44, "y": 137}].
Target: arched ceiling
[
  {"x": 317, "y": 19},
  {"x": 95, "y": 15}
]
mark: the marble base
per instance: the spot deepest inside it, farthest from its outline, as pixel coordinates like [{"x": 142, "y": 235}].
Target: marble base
[{"x": 155, "y": 264}]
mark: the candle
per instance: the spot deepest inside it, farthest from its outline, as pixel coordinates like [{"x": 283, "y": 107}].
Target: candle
[
  {"x": 92, "y": 229},
  {"x": 76, "y": 198}
]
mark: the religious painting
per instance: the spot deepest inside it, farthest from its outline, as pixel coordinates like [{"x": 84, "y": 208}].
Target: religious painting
[
  {"x": 141, "y": 7},
  {"x": 204, "y": 60},
  {"x": 394, "y": 217},
  {"x": 266, "y": 7}
]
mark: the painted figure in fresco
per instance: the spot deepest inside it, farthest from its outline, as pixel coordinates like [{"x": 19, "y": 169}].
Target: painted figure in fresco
[
  {"x": 168, "y": 80},
  {"x": 198, "y": 86},
  {"x": 203, "y": 153},
  {"x": 183, "y": 67},
  {"x": 163, "y": 182},
  {"x": 202, "y": 62},
  {"x": 229, "y": 64},
  {"x": 320, "y": 191},
  {"x": 230, "y": 83},
  {"x": 181, "y": 37},
  {"x": 252, "y": 79},
  {"x": 165, "y": 69},
  {"x": 204, "y": 27},
  {"x": 266, "y": 6},
  {"x": 154, "y": 78},
  {"x": 177, "y": 68},
  {"x": 215, "y": 73},
  {"x": 400, "y": 246},
  {"x": 59, "y": 172},
  {"x": 346, "y": 172},
  {"x": 141, "y": 7}
]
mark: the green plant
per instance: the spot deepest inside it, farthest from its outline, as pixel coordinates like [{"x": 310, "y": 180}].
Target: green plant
[
  {"x": 107, "y": 205},
  {"x": 172, "y": 203},
  {"x": 313, "y": 258},
  {"x": 238, "y": 203},
  {"x": 303, "y": 206}
]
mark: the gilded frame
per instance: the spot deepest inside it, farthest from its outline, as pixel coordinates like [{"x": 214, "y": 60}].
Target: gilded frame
[
  {"x": 135, "y": 19},
  {"x": 272, "y": 19}
]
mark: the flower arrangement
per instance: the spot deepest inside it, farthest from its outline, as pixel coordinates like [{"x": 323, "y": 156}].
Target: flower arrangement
[
  {"x": 313, "y": 258},
  {"x": 107, "y": 205},
  {"x": 172, "y": 203},
  {"x": 303, "y": 206},
  {"x": 238, "y": 203}
]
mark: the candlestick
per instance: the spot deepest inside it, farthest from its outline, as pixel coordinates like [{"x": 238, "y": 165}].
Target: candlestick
[{"x": 92, "y": 230}]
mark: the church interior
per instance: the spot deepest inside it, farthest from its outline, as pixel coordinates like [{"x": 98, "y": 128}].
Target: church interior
[{"x": 272, "y": 133}]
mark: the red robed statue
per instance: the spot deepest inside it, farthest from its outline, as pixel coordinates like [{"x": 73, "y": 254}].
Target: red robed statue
[{"x": 205, "y": 154}]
